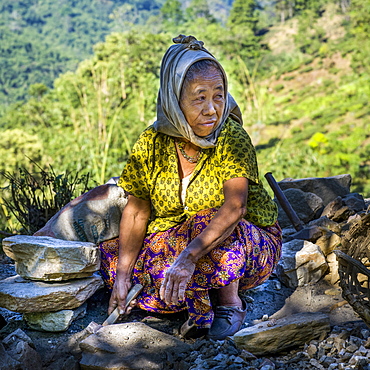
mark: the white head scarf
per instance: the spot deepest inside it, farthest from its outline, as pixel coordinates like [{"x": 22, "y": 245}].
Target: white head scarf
[{"x": 170, "y": 118}]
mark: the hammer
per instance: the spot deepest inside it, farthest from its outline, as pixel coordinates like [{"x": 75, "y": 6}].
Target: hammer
[{"x": 93, "y": 327}]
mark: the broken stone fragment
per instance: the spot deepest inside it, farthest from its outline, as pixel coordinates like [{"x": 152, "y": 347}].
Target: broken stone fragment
[
  {"x": 331, "y": 208},
  {"x": 49, "y": 259},
  {"x": 302, "y": 262},
  {"x": 7, "y": 362},
  {"x": 333, "y": 276},
  {"x": 24, "y": 296},
  {"x": 327, "y": 188},
  {"x": 327, "y": 223},
  {"x": 328, "y": 242},
  {"x": 355, "y": 202},
  {"x": 54, "y": 321},
  {"x": 20, "y": 347},
  {"x": 130, "y": 346},
  {"x": 306, "y": 205},
  {"x": 298, "y": 329},
  {"x": 310, "y": 233}
]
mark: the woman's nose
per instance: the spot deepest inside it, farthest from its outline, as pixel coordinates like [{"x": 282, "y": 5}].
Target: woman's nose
[{"x": 209, "y": 108}]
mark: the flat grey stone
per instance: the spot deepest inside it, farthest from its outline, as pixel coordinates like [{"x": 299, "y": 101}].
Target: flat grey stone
[
  {"x": 130, "y": 346},
  {"x": 24, "y": 296},
  {"x": 49, "y": 259},
  {"x": 269, "y": 338}
]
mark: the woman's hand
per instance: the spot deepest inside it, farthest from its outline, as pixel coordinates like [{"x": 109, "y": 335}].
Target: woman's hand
[
  {"x": 121, "y": 288},
  {"x": 176, "y": 279}
]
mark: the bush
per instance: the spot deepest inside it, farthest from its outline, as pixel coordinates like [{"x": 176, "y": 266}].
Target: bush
[
  {"x": 33, "y": 198},
  {"x": 306, "y": 69},
  {"x": 334, "y": 70},
  {"x": 279, "y": 87}
]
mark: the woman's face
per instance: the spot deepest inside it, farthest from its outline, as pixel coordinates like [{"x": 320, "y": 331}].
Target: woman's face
[{"x": 203, "y": 101}]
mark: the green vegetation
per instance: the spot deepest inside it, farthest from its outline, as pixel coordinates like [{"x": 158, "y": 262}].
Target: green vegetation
[
  {"x": 299, "y": 71},
  {"x": 35, "y": 198}
]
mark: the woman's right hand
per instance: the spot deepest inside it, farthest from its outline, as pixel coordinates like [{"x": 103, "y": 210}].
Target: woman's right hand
[{"x": 121, "y": 288}]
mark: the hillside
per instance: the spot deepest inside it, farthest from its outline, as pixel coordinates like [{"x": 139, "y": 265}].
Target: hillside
[
  {"x": 302, "y": 84},
  {"x": 315, "y": 108},
  {"x": 39, "y": 40}
]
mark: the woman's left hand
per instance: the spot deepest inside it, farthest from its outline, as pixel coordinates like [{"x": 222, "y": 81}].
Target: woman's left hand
[{"x": 175, "y": 281}]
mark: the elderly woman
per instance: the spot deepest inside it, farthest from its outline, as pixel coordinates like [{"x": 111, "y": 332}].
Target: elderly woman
[{"x": 198, "y": 218}]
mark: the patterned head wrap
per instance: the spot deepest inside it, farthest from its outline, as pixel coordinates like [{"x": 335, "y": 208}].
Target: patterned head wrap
[{"x": 170, "y": 118}]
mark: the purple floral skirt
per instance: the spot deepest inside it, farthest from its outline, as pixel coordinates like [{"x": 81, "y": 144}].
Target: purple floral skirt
[{"x": 249, "y": 255}]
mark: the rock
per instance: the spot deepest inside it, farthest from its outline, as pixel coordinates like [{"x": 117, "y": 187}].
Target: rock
[
  {"x": 2, "y": 322},
  {"x": 306, "y": 205},
  {"x": 54, "y": 321},
  {"x": 343, "y": 214},
  {"x": 327, "y": 188},
  {"x": 333, "y": 276},
  {"x": 7, "y": 362},
  {"x": 66, "y": 355},
  {"x": 298, "y": 329},
  {"x": 69, "y": 363},
  {"x": 310, "y": 233},
  {"x": 131, "y": 346},
  {"x": 302, "y": 262},
  {"x": 25, "y": 296},
  {"x": 331, "y": 208},
  {"x": 20, "y": 347},
  {"x": 92, "y": 217},
  {"x": 49, "y": 259},
  {"x": 326, "y": 223},
  {"x": 355, "y": 202},
  {"x": 16, "y": 336},
  {"x": 328, "y": 242}
]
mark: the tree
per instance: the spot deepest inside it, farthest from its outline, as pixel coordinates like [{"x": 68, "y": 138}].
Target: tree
[
  {"x": 243, "y": 15},
  {"x": 172, "y": 12},
  {"x": 199, "y": 9}
]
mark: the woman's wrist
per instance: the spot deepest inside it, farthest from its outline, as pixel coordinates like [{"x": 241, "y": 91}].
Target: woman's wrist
[
  {"x": 123, "y": 274},
  {"x": 190, "y": 253}
]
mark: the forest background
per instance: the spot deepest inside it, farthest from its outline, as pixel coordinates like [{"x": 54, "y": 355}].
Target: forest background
[{"x": 79, "y": 80}]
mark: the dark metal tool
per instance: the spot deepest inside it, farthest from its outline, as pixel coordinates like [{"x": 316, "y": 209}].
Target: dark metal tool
[{"x": 284, "y": 202}]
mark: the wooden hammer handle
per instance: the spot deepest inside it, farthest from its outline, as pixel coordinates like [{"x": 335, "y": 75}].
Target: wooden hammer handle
[{"x": 132, "y": 294}]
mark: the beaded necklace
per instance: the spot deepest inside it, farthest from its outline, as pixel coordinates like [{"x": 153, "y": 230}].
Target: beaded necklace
[{"x": 194, "y": 159}]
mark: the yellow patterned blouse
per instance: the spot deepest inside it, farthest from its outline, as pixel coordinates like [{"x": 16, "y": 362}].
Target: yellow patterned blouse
[{"x": 151, "y": 173}]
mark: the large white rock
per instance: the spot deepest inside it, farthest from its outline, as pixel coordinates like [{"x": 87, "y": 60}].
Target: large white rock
[
  {"x": 302, "y": 262},
  {"x": 92, "y": 217},
  {"x": 130, "y": 346},
  {"x": 54, "y": 321},
  {"x": 275, "y": 336},
  {"x": 49, "y": 259},
  {"x": 21, "y": 295}
]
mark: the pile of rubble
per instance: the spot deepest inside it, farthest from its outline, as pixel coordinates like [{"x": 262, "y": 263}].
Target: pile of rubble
[
  {"x": 344, "y": 349},
  {"x": 56, "y": 277}
]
